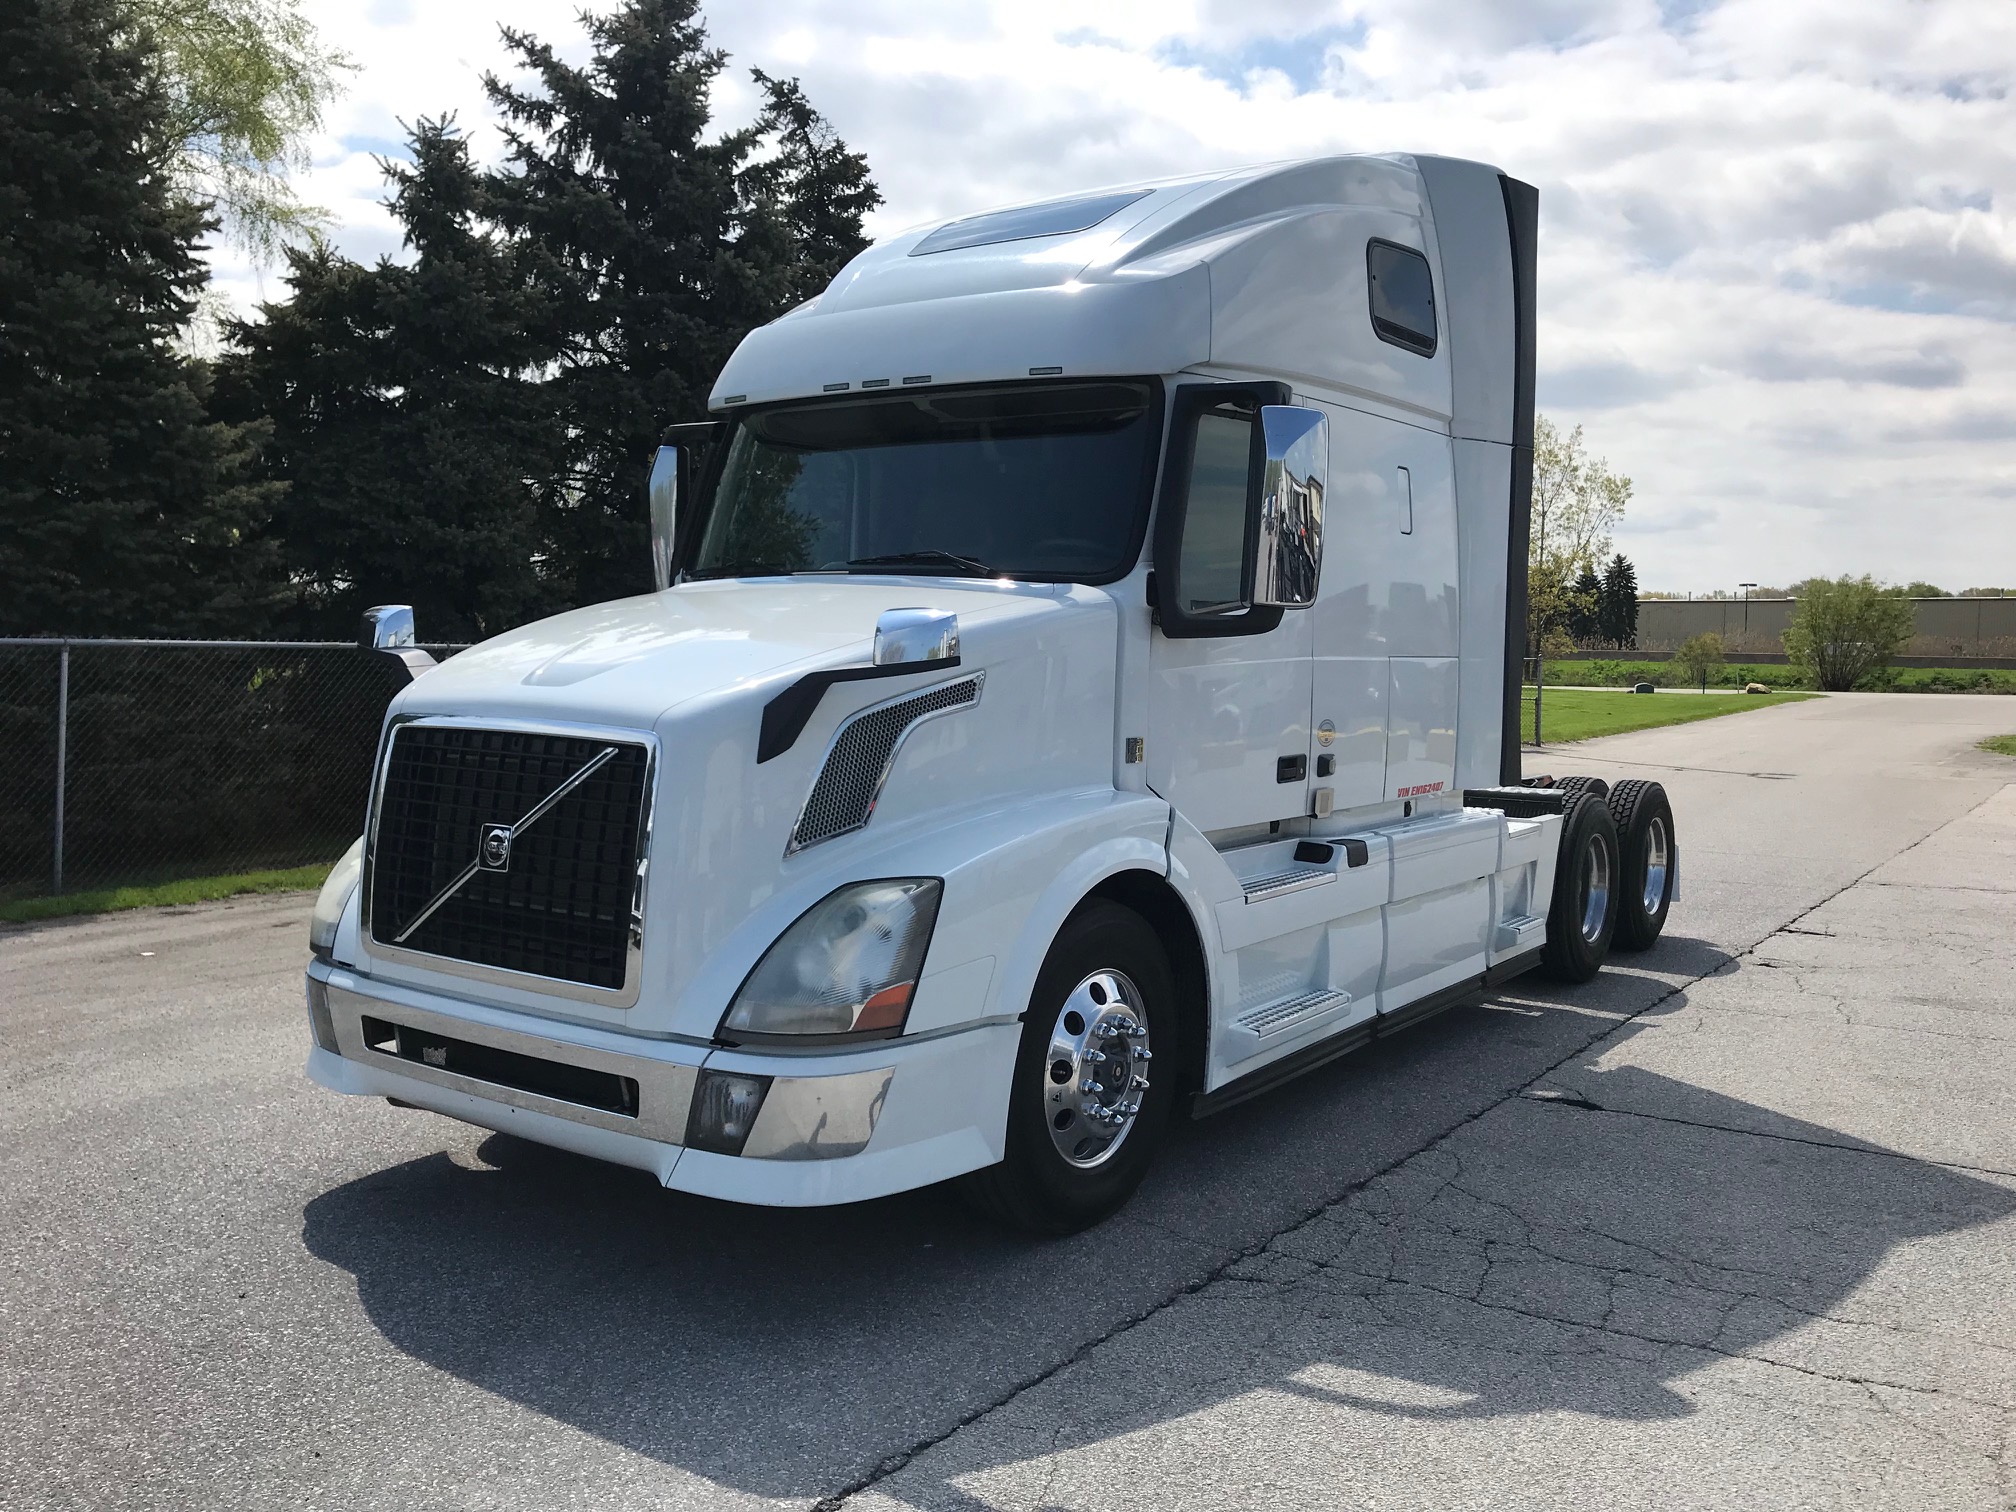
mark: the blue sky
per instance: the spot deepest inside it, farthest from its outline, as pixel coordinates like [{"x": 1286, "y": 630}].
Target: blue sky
[{"x": 1778, "y": 237}]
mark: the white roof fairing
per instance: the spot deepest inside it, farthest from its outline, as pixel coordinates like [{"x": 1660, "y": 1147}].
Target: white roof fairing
[{"x": 1259, "y": 269}]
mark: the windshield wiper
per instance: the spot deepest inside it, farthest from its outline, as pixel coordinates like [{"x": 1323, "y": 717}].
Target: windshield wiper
[{"x": 964, "y": 565}]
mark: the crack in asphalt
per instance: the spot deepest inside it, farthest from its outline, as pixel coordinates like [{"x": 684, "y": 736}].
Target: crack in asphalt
[{"x": 891, "y": 1464}]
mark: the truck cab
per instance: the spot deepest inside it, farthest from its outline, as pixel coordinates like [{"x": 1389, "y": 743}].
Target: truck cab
[{"x": 1081, "y": 690}]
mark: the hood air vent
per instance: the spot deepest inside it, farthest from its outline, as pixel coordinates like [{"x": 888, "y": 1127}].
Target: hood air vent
[{"x": 858, "y": 761}]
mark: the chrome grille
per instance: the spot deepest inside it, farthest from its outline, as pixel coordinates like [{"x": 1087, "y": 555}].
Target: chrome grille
[
  {"x": 857, "y": 763},
  {"x": 562, "y": 905}
]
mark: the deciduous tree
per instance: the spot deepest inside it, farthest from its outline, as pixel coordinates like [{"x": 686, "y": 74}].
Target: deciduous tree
[
  {"x": 246, "y": 83},
  {"x": 1847, "y": 628},
  {"x": 1577, "y": 501},
  {"x": 1698, "y": 656}
]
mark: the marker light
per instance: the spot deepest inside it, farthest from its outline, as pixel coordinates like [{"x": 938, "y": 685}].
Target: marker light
[{"x": 847, "y": 966}]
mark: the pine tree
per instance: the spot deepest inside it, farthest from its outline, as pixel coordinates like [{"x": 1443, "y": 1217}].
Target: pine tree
[
  {"x": 821, "y": 189},
  {"x": 123, "y": 509},
  {"x": 659, "y": 245},
  {"x": 409, "y": 414},
  {"x": 1619, "y": 603},
  {"x": 1585, "y": 617}
]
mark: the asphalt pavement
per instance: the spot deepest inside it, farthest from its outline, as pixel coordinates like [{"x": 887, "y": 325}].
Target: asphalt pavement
[{"x": 1734, "y": 1225}]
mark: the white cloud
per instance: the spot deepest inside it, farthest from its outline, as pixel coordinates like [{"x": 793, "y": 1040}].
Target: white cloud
[{"x": 1778, "y": 241}]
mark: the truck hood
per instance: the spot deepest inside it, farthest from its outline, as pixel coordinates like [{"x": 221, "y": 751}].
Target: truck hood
[{"x": 626, "y": 663}]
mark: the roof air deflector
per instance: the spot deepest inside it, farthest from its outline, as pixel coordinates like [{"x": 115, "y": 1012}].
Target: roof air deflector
[{"x": 1051, "y": 218}]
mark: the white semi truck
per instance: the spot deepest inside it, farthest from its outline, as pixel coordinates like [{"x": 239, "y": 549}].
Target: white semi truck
[{"x": 1082, "y": 690}]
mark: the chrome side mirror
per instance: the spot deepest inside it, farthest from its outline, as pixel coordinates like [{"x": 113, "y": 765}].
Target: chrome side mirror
[
  {"x": 389, "y": 627},
  {"x": 1289, "y": 555},
  {"x": 664, "y": 492},
  {"x": 904, "y": 636},
  {"x": 388, "y": 630}
]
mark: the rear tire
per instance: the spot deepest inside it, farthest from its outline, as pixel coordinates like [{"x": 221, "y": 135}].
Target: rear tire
[
  {"x": 1651, "y": 853},
  {"x": 1583, "y": 915},
  {"x": 1074, "y": 1155},
  {"x": 1594, "y": 785}
]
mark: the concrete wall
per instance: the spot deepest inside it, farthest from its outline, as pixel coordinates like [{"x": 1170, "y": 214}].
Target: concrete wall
[{"x": 1946, "y": 627}]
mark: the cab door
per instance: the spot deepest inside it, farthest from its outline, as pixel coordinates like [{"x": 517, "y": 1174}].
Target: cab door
[{"x": 1228, "y": 728}]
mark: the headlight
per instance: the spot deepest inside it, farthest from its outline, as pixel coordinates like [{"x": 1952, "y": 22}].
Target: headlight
[
  {"x": 847, "y": 966},
  {"x": 330, "y": 902}
]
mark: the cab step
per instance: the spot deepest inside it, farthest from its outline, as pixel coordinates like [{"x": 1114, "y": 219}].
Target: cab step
[
  {"x": 1275, "y": 884},
  {"x": 1272, "y": 1020}
]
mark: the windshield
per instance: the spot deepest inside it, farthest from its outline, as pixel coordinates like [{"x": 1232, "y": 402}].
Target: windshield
[{"x": 1041, "y": 481}]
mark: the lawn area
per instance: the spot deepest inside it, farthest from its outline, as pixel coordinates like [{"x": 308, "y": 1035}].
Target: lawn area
[
  {"x": 1605, "y": 673},
  {"x": 2001, "y": 745},
  {"x": 1584, "y": 713},
  {"x": 189, "y": 890}
]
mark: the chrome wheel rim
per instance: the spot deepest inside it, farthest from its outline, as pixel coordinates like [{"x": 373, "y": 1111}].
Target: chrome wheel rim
[
  {"x": 1097, "y": 1069},
  {"x": 1656, "y": 861},
  {"x": 1595, "y": 888}
]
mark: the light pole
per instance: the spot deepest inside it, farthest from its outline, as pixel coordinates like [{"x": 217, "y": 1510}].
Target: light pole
[{"x": 1746, "y": 587}]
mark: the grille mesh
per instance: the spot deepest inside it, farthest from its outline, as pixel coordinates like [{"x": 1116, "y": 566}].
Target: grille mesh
[
  {"x": 844, "y": 796},
  {"x": 563, "y": 909}
]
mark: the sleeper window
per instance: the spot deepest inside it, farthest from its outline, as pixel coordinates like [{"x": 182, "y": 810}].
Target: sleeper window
[{"x": 1403, "y": 296}]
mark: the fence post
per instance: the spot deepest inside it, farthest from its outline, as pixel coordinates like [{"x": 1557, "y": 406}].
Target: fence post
[
  {"x": 62, "y": 754},
  {"x": 1539, "y": 684}
]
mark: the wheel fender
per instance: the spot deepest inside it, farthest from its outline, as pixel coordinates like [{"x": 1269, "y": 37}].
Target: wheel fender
[{"x": 1023, "y": 889}]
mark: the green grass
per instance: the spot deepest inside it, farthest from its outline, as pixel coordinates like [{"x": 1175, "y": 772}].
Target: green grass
[
  {"x": 2001, "y": 745},
  {"x": 1604, "y": 673},
  {"x": 1584, "y": 713},
  {"x": 189, "y": 890}
]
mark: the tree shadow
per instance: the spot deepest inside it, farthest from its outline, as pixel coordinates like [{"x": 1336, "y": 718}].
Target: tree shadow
[{"x": 787, "y": 1352}]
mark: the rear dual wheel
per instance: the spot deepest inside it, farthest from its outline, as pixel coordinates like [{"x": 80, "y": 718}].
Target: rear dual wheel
[
  {"x": 1582, "y": 917},
  {"x": 1650, "y": 855}
]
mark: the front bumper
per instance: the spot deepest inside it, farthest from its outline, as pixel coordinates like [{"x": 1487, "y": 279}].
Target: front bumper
[{"x": 885, "y": 1118}]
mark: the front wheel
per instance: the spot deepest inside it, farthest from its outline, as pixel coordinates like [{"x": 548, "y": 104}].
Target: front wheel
[{"x": 1094, "y": 1078}]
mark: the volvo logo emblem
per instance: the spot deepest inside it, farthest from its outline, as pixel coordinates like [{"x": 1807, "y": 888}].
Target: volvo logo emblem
[{"x": 496, "y": 847}]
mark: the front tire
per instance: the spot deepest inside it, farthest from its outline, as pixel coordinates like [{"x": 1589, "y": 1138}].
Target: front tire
[
  {"x": 1085, "y": 1114},
  {"x": 1583, "y": 915}
]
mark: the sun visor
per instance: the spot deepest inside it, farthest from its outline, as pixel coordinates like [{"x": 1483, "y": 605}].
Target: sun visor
[{"x": 1128, "y": 326}]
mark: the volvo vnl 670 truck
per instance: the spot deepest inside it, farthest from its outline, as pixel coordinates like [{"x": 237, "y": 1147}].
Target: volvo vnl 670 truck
[{"x": 1082, "y": 690}]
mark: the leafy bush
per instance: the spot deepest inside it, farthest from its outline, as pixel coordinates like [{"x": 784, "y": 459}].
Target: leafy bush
[
  {"x": 1699, "y": 657},
  {"x": 1846, "y": 630}
]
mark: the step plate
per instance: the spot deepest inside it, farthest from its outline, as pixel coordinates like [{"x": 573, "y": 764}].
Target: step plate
[
  {"x": 1262, "y": 888},
  {"x": 1272, "y": 1020}
]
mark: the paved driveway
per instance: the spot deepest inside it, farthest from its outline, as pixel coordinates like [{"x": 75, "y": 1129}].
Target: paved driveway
[{"x": 1734, "y": 1225}]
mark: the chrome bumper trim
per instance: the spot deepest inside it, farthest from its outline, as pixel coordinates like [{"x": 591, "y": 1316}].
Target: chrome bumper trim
[{"x": 664, "y": 1088}]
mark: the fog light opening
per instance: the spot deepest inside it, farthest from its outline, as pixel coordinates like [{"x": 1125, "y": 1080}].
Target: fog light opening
[{"x": 725, "y": 1105}]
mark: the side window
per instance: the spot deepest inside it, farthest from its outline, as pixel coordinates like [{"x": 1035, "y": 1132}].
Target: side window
[
  {"x": 1403, "y": 296},
  {"x": 1211, "y": 563}
]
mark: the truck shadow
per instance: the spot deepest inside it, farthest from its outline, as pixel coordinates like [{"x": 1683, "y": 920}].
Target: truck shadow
[{"x": 786, "y": 1353}]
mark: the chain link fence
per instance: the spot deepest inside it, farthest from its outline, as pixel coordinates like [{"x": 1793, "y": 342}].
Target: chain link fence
[{"x": 133, "y": 762}]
